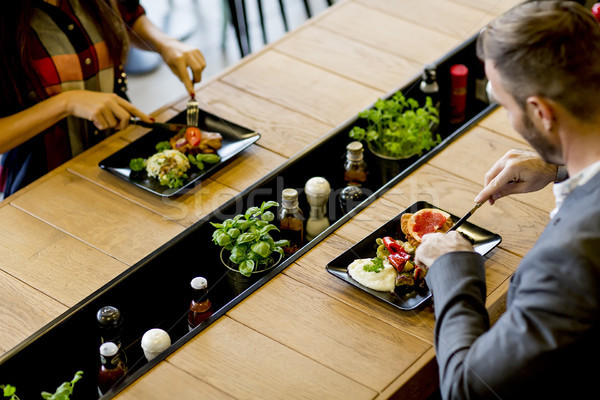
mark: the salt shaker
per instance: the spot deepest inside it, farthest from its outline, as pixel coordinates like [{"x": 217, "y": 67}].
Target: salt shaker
[
  {"x": 317, "y": 191},
  {"x": 154, "y": 342}
]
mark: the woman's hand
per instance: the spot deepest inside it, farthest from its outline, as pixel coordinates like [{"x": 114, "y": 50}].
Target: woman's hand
[
  {"x": 105, "y": 110},
  {"x": 518, "y": 171},
  {"x": 179, "y": 57}
]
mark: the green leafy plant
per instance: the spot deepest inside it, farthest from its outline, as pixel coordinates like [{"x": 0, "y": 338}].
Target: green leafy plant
[
  {"x": 63, "y": 392},
  {"x": 248, "y": 239},
  {"x": 398, "y": 127}
]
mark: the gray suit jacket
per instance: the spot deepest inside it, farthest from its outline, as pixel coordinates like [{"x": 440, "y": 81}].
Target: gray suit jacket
[{"x": 542, "y": 345}]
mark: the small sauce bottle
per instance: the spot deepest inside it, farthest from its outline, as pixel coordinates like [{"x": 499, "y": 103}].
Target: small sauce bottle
[
  {"x": 110, "y": 325},
  {"x": 458, "y": 94},
  {"x": 112, "y": 368},
  {"x": 429, "y": 85},
  {"x": 291, "y": 221},
  {"x": 200, "y": 307},
  {"x": 355, "y": 168}
]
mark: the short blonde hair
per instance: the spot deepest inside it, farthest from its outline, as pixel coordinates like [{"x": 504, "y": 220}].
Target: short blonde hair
[{"x": 549, "y": 49}]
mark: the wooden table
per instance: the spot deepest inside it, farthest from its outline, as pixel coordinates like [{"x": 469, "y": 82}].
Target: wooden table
[{"x": 305, "y": 334}]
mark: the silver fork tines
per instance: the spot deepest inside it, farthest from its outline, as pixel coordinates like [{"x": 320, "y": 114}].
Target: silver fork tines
[{"x": 192, "y": 112}]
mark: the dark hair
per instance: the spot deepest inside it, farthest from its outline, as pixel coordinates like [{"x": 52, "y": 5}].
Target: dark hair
[
  {"x": 17, "y": 77},
  {"x": 547, "y": 48}
]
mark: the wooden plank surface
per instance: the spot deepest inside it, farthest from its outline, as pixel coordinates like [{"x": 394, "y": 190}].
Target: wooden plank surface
[
  {"x": 284, "y": 135},
  {"x": 51, "y": 261},
  {"x": 302, "y": 87},
  {"x": 24, "y": 310},
  {"x": 338, "y": 336},
  {"x": 247, "y": 364},
  {"x": 97, "y": 217},
  {"x": 401, "y": 37},
  {"x": 357, "y": 61}
]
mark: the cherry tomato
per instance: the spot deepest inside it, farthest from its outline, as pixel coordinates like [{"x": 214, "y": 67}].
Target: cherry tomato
[{"x": 193, "y": 135}]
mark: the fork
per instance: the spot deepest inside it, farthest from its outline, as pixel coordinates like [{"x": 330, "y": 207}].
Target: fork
[{"x": 192, "y": 112}]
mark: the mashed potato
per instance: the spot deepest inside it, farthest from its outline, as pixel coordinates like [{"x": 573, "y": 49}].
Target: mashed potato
[
  {"x": 383, "y": 281},
  {"x": 167, "y": 166}
]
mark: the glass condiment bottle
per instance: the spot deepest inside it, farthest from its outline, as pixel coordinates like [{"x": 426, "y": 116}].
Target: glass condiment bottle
[
  {"x": 111, "y": 368},
  {"x": 458, "y": 93},
  {"x": 355, "y": 168},
  {"x": 291, "y": 221},
  {"x": 317, "y": 191},
  {"x": 200, "y": 307},
  {"x": 110, "y": 325},
  {"x": 429, "y": 85}
]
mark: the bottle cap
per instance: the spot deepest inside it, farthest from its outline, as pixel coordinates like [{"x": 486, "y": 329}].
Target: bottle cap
[
  {"x": 289, "y": 198},
  {"x": 108, "y": 349},
  {"x": 289, "y": 194},
  {"x": 199, "y": 283},
  {"x": 355, "y": 151},
  {"x": 458, "y": 74},
  {"x": 154, "y": 342},
  {"x": 109, "y": 316},
  {"x": 429, "y": 73}
]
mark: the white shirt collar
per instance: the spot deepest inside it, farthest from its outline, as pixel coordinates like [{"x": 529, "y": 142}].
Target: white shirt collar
[{"x": 563, "y": 189}]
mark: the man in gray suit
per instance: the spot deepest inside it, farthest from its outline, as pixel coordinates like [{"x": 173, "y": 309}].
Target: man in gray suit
[{"x": 543, "y": 61}]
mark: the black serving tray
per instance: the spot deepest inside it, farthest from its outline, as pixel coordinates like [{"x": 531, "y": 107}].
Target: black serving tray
[
  {"x": 155, "y": 292},
  {"x": 483, "y": 241},
  {"x": 235, "y": 139}
]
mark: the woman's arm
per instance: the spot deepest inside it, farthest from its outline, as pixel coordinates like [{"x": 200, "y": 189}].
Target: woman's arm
[
  {"x": 178, "y": 56},
  {"x": 105, "y": 110}
]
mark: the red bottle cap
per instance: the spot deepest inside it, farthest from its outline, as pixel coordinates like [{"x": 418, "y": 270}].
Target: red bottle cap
[
  {"x": 459, "y": 73},
  {"x": 596, "y": 11}
]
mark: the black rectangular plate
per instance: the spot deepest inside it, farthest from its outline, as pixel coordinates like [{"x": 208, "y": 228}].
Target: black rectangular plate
[
  {"x": 235, "y": 139},
  {"x": 483, "y": 241}
]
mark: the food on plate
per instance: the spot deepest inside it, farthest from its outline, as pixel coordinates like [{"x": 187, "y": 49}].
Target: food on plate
[
  {"x": 193, "y": 141},
  {"x": 174, "y": 163},
  {"x": 374, "y": 273},
  {"x": 391, "y": 270},
  {"x": 169, "y": 167},
  {"x": 424, "y": 221}
]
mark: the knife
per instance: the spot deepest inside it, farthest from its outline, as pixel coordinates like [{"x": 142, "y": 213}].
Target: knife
[
  {"x": 466, "y": 216},
  {"x": 162, "y": 125}
]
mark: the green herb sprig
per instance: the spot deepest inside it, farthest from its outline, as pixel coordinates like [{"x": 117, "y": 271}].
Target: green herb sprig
[
  {"x": 376, "y": 265},
  {"x": 248, "y": 239},
  {"x": 63, "y": 392},
  {"x": 398, "y": 127}
]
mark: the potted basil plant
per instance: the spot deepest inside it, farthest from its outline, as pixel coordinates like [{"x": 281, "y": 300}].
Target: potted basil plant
[
  {"x": 398, "y": 128},
  {"x": 246, "y": 241}
]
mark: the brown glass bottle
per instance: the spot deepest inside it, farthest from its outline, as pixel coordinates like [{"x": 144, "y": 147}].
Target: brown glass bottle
[
  {"x": 291, "y": 221},
  {"x": 112, "y": 368},
  {"x": 200, "y": 307},
  {"x": 355, "y": 168}
]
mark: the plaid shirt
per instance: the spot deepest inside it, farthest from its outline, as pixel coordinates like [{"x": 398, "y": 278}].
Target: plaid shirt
[{"x": 68, "y": 53}]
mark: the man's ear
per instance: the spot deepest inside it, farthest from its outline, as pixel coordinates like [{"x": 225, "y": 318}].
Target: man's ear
[{"x": 541, "y": 111}]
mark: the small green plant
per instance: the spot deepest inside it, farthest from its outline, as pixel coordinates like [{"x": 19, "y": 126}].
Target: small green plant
[
  {"x": 63, "y": 392},
  {"x": 247, "y": 238},
  {"x": 398, "y": 127}
]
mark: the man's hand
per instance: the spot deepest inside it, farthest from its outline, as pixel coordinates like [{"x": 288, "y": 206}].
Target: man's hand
[
  {"x": 518, "y": 171},
  {"x": 435, "y": 245}
]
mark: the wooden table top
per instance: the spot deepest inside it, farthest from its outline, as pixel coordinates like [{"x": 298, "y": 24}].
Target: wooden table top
[{"x": 304, "y": 334}]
